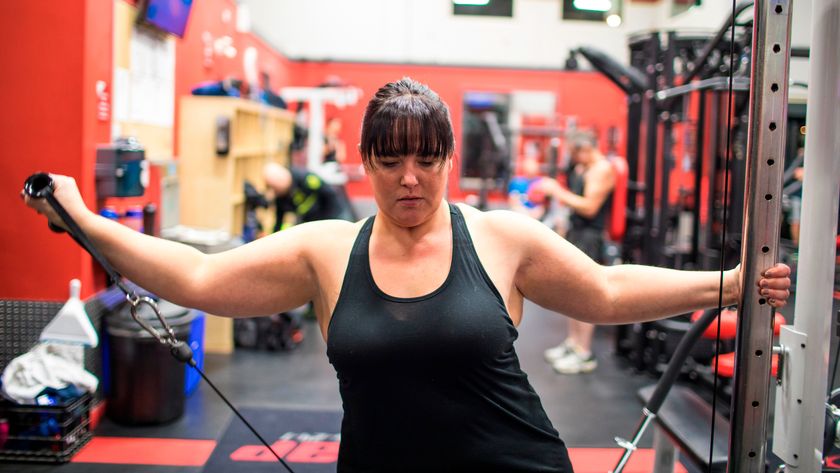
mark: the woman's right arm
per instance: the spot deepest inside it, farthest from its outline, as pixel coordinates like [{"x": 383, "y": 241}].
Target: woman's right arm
[{"x": 270, "y": 275}]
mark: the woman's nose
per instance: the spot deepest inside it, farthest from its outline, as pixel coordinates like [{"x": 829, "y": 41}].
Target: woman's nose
[{"x": 409, "y": 179}]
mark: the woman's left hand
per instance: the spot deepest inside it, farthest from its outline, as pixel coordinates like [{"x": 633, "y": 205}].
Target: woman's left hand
[{"x": 774, "y": 285}]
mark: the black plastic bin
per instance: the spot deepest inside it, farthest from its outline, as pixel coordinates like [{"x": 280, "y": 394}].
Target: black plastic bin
[
  {"x": 48, "y": 434},
  {"x": 146, "y": 382}
]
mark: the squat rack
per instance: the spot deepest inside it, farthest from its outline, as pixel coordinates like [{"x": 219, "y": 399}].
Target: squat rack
[
  {"x": 801, "y": 395},
  {"x": 800, "y": 411}
]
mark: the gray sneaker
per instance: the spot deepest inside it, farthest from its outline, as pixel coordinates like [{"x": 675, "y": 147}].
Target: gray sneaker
[
  {"x": 560, "y": 351},
  {"x": 575, "y": 363}
]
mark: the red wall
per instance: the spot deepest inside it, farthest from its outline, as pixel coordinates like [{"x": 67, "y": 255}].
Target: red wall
[
  {"x": 277, "y": 66},
  {"x": 52, "y": 58},
  {"x": 595, "y": 101},
  {"x": 192, "y": 66}
]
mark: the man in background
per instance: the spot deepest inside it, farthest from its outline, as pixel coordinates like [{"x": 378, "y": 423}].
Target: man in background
[
  {"x": 300, "y": 196},
  {"x": 591, "y": 182}
]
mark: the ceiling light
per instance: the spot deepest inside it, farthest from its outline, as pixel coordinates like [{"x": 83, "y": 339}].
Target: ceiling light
[
  {"x": 593, "y": 5},
  {"x": 614, "y": 21},
  {"x": 471, "y": 2}
]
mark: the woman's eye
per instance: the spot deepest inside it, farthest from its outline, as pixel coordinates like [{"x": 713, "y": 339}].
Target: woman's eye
[
  {"x": 389, "y": 164},
  {"x": 426, "y": 164}
]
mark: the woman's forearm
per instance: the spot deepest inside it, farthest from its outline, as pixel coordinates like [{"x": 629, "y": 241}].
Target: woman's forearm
[
  {"x": 642, "y": 293},
  {"x": 166, "y": 268}
]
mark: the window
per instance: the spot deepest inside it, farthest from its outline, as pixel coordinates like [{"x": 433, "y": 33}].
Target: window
[
  {"x": 483, "y": 8},
  {"x": 485, "y": 153},
  {"x": 681, "y": 6},
  {"x": 590, "y": 10}
]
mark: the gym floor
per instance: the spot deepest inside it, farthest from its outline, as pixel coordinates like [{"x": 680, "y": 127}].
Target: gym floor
[{"x": 588, "y": 410}]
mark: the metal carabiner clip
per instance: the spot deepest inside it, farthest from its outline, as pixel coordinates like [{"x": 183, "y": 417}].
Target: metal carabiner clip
[{"x": 135, "y": 301}]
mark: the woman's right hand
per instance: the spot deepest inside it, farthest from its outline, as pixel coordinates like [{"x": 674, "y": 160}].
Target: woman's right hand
[{"x": 67, "y": 193}]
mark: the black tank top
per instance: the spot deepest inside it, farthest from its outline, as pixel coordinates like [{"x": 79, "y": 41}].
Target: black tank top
[
  {"x": 599, "y": 221},
  {"x": 433, "y": 383}
]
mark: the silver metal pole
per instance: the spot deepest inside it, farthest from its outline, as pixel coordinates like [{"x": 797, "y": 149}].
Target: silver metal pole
[
  {"x": 762, "y": 218},
  {"x": 820, "y": 190},
  {"x": 630, "y": 446}
]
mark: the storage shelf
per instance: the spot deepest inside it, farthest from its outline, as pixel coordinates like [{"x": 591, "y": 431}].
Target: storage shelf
[
  {"x": 247, "y": 152},
  {"x": 211, "y": 185}
]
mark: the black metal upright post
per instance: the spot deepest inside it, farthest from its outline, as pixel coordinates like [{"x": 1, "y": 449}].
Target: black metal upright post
[
  {"x": 710, "y": 259},
  {"x": 699, "y": 158},
  {"x": 666, "y": 116},
  {"x": 634, "y": 121},
  {"x": 653, "y": 53}
]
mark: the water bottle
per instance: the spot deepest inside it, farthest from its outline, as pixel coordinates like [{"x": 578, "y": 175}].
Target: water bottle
[
  {"x": 110, "y": 213},
  {"x": 134, "y": 218}
]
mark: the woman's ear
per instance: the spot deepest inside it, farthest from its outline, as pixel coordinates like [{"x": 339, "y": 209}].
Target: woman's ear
[{"x": 451, "y": 163}]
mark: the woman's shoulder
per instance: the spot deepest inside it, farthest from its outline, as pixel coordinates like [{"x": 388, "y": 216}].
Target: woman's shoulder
[
  {"x": 326, "y": 241},
  {"x": 330, "y": 230},
  {"x": 496, "y": 222}
]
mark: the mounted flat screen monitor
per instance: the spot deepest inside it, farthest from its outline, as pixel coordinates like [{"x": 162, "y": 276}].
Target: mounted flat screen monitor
[{"x": 167, "y": 15}]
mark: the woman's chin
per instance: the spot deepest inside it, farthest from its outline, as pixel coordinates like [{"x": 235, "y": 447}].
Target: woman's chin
[{"x": 409, "y": 216}]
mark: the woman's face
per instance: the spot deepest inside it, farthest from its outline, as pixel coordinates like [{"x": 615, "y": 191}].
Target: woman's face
[{"x": 409, "y": 189}]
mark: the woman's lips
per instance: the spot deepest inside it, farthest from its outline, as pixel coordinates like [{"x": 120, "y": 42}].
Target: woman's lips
[{"x": 409, "y": 200}]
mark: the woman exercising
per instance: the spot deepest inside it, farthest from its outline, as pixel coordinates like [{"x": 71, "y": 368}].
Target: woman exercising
[{"x": 418, "y": 304}]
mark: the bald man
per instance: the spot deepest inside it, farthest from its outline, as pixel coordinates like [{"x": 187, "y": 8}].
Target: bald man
[{"x": 301, "y": 193}]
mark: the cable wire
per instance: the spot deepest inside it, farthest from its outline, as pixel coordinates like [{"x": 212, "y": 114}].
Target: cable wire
[
  {"x": 244, "y": 421},
  {"x": 729, "y": 107}
]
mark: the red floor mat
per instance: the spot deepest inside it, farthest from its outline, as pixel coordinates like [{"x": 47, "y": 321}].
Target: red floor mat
[
  {"x": 181, "y": 452},
  {"x": 601, "y": 460},
  {"x": 146, "y": 451}
]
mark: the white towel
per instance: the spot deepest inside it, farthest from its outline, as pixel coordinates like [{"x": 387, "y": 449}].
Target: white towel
[{"x": 44, "y": 367}]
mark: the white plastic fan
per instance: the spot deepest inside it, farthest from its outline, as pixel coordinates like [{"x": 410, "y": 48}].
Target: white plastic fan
[{"x": 71, "y": 325}]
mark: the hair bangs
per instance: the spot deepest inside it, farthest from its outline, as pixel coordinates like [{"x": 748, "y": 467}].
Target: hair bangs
[{"x": 407, "y": 124}]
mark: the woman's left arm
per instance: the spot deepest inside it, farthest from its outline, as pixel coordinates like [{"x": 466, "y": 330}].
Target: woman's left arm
[
  {"x": 558, "y": 276},
  {"x": 653, "y": 293}
]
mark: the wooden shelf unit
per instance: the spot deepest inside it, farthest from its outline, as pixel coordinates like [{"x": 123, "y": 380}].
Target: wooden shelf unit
[{"x": 211, "y": 185}]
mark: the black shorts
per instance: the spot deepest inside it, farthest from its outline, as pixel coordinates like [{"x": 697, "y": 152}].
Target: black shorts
[{"x": 589, "y": 241}]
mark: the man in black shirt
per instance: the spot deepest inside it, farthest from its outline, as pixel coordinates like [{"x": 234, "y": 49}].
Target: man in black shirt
[
  {"x": 591, "y": 182},
  {"x": 299, "y": 196},
  {"x": 301, "y": 193}
]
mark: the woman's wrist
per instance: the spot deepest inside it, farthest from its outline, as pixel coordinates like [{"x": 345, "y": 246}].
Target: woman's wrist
[
  {"x": 85, "y": 217},
  {"x": 732, "y": 286}
]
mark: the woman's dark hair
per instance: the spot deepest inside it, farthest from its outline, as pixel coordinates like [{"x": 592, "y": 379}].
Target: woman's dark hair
[{"x": 406, "y": 118}]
